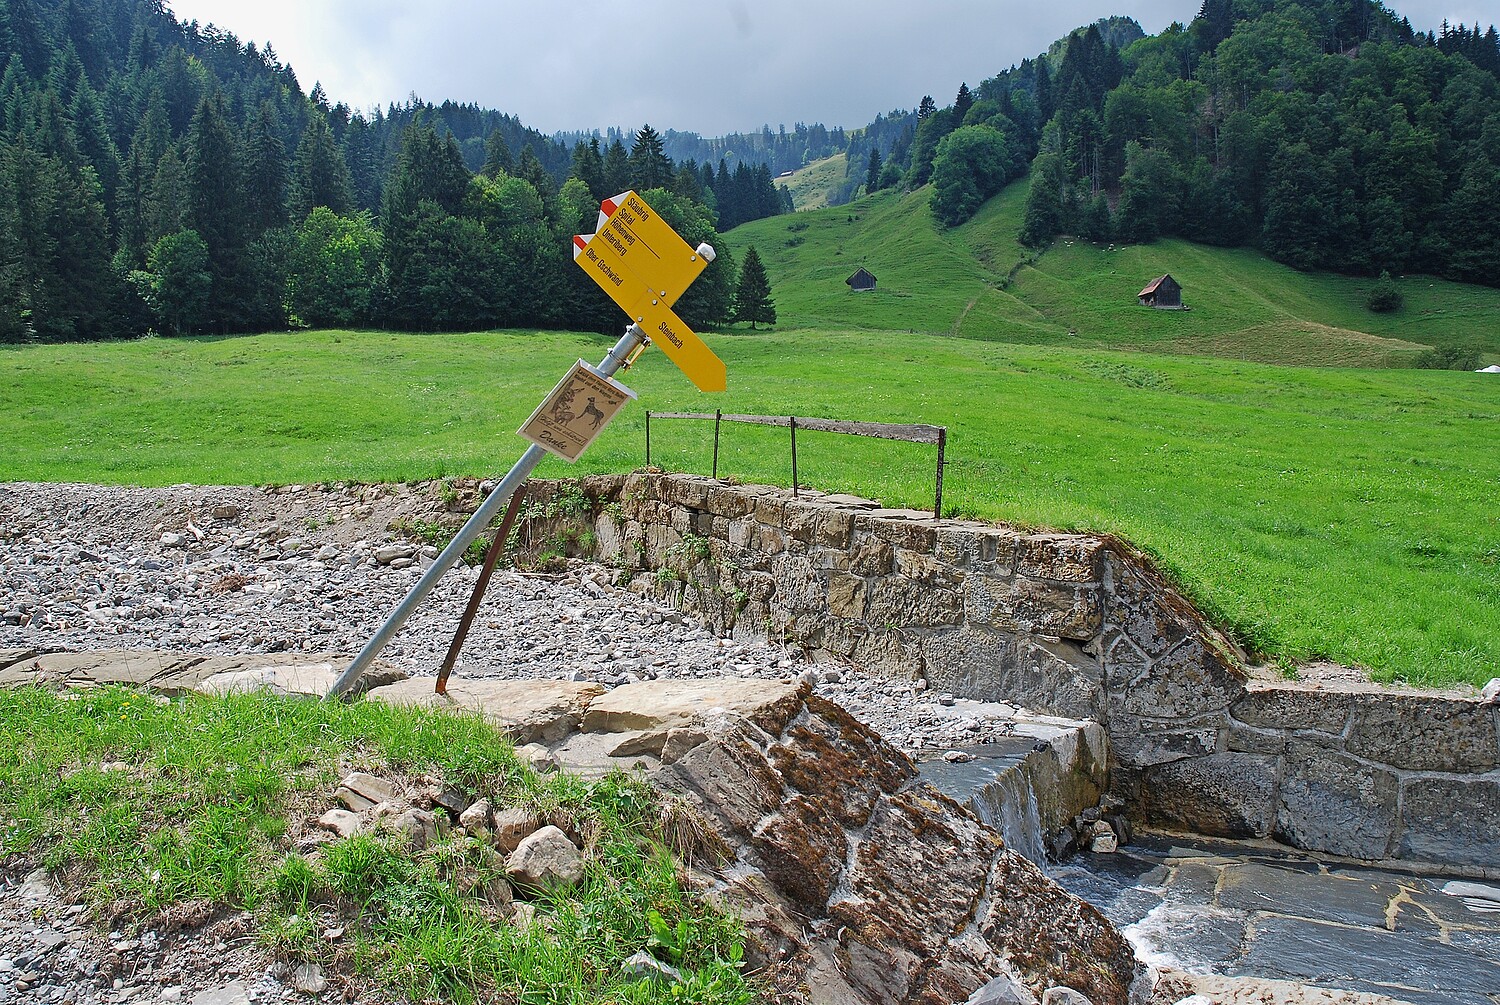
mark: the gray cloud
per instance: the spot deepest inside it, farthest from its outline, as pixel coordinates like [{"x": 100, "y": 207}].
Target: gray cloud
[{"x": 711, "y": 66}]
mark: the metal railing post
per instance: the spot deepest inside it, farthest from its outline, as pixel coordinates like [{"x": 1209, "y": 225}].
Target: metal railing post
[
  {"x": 792, "y": 420},
  {"x": 718, "y": 416},
  {"x": 937, "y": 503},
  {"x": 648, "y": 437}
]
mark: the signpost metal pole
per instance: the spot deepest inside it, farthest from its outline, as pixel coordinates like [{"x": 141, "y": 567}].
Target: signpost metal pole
[{"x": 475, "y": 526}]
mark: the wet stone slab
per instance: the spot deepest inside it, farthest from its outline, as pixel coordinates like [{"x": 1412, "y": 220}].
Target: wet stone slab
[
  {"x": 1338, "y": 956},
  {"x": 1347, "y": 900},
  {"x": 1247, "y": 909}
]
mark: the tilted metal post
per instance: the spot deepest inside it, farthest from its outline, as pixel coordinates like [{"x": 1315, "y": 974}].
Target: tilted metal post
[{"x": 475, "y": 526}]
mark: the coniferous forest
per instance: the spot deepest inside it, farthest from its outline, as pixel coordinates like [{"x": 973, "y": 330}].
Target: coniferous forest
[{"x": 160, "y": 176}]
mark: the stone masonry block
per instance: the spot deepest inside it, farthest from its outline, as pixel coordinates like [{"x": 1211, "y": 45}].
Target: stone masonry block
[
  {"x": 1142, "y": 743},
  {"x": 726, "y": 502},
  {"x": 988, "y": 602},
  {"x": 1135, "y": 605},
  {"x": 741, "y": 532},
  {"x": 801, "y": 521},
  {"x": 914, "y": 535},
  {"x": 1416, "y": 733},
  {"x": 873, "y": 557},
  {"x": 1452, "y": 820},
  {"x": 771, "y": 511},
  {"x": 835, "y": 528},
  {"x": 687, "y": 490},
  {"x": 797, "y": 583},
  {"x": 1063, "y": 610},
  {"x": 846, "y": 596},
  {"x": 1334, "y": 803},
  {"x": 965, "y": 547},
  {"x": 898, "y": 602},
  {"x": 1226, "y": 795},
  {"x": 924, "y": 568},
  {"x": 972, "y": 662},
  {"x": 1186, "y": 682},
  {"x": 1064, "y": 558},
  {"x": 1272, "y": 705}
]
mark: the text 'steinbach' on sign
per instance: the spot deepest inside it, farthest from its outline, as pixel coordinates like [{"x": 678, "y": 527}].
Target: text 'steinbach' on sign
[{"x": 576, "y": 412}]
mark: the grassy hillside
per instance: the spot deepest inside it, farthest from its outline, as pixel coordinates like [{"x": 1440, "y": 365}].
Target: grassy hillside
[
  {"x": 1317, "y": 512},
  {"x": 976, "y": 281},
  {"x": 812, "y": 184}
]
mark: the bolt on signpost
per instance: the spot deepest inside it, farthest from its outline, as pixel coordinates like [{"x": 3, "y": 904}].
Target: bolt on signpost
[{"x": 644, "y": 266}]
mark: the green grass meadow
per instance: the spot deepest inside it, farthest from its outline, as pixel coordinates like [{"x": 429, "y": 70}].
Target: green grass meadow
[
  {"x": 1347, "y": 514},
  {"x": 979, "y": 282}
]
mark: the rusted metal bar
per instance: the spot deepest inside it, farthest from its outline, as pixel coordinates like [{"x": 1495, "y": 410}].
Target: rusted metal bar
[
  {"x": 937, "y": 502},
  {"x": 907, "y": 432},
  {"x": 718, "y": 416},
  {"x": 792, "y": 422},
  {"x": 491, "y": 558},
  {"x": 519, "y": 472},
  {"x": 648, "y": 438}
]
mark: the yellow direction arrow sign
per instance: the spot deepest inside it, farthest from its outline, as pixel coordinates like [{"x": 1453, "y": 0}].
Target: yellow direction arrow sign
[
  {"x": 641, "y": 262},
  {"x": 649, "y": 245}
]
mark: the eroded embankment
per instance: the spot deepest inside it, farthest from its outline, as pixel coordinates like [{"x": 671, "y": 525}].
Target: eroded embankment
[{"x": 1076, "y": 625}]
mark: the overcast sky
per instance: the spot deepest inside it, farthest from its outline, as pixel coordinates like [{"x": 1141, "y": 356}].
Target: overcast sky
[{"x": 712, "y": 67}]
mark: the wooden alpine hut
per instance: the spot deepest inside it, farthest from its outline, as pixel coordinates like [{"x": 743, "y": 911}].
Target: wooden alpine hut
[
  {"x": 1164, "y": 293},
  {"x": 862, "y": 280}
]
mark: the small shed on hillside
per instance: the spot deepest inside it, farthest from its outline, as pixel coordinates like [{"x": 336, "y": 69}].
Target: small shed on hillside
[
  {"x": 861, "y": 281},
  {"x": 1163, "y": 293}
]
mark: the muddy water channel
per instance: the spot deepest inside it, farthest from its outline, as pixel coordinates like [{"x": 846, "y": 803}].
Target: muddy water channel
[{"x": 1254, "y": 910}]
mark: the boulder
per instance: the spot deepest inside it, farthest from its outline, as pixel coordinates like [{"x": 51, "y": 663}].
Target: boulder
[
  {"x": 341, "y": 822},
  {"x": 546, "y": 860}
]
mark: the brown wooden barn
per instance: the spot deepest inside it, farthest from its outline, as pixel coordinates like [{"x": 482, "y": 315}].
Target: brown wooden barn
[
  {"x": 862, "y": 280},
  {"x": 1163, "y": 293}
]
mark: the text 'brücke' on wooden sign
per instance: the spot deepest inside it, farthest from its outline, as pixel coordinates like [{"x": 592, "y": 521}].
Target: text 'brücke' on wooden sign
[{"x": 576, "y": 412}]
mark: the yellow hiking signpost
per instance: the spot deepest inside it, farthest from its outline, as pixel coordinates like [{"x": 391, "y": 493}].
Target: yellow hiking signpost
[
  {"x": 642, "y": 263},
  {"x": 644, "y": 266}
]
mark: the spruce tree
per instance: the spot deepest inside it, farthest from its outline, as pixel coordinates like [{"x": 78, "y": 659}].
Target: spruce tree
[
  {"x": 650, "y": 167},
  {"x": 215, "y": 208},
  {"x": 265, "y": 173},
  {"x": 320, "y": 178},
  {"x": 872, "y": 171},
  {"x": 752, "y": 298},
  {"x": 616, "y": 169},
  {"x": 497, "y": 158},
  {"x": 962, "y": 103}
]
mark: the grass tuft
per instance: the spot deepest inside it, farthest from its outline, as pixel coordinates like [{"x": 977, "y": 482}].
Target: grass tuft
[{"x": 149, "y": 807}]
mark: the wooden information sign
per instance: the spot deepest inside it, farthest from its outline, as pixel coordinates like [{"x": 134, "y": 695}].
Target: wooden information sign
[{"x": 576, "y": 412}]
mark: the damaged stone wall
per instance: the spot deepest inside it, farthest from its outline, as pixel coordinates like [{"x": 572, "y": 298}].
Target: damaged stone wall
[{"x": 1075, "y": 625}]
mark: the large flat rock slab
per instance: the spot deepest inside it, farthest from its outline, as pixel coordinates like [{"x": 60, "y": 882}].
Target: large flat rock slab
[
  {"x": 303, "y": 675},
  {"x": 167, "y": 672},
  {"x": 10, "y": 657},
  {"x": 528, "y": 711},
  {"x": 667, "y": 704}
]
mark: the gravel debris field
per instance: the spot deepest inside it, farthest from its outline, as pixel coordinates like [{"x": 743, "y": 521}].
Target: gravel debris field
[{"x": 233, "y": 570}]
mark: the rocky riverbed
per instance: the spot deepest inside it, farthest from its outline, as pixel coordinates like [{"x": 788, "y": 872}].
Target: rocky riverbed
[{"x": 318, "y": 569}]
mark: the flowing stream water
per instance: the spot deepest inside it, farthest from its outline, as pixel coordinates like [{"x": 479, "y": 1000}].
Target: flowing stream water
[
  {"x": 1257, "y": 909},
  {"x": 1251, "y": 908}
]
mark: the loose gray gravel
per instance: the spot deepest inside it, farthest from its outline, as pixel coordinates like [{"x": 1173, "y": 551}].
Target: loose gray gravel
[{"x": 224, "y": 570}]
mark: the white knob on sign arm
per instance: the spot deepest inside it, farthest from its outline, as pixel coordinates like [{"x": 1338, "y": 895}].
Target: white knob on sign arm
[{"x": 707, "y": 251}]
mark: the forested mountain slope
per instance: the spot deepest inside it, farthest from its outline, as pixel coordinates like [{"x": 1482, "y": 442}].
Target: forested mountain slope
[{"x": 162, "y": 176}]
